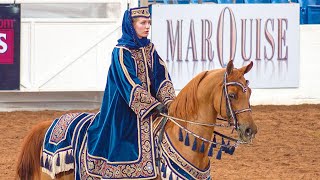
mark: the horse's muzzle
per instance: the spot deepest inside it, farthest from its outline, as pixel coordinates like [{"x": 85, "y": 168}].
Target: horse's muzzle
[{"x": 247, "y": 132}]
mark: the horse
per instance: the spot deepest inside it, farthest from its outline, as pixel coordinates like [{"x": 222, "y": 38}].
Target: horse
[{"x": 192, "y": 117}]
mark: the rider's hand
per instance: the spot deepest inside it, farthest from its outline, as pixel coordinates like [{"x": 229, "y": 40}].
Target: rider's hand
[{"x": 160, "y": 109}]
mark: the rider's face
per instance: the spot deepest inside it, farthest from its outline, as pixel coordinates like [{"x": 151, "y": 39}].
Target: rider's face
[{"x": 142, "y": 26}]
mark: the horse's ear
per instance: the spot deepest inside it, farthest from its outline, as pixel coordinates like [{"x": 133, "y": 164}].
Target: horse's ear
[
  {"x": 230, "y": 67},
  {"x": 247, "y": 68}
]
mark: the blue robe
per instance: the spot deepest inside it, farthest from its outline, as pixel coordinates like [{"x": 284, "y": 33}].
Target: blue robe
[{"x": 119, "y": 141}]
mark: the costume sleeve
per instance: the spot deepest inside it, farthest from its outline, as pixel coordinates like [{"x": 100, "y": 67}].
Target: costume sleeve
[
  {"x": 163, "y": 84},
  {"x": 129, "y": 85}
]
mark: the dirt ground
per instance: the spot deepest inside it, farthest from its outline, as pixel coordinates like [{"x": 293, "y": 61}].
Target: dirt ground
[{"x": 286, "y": 146}]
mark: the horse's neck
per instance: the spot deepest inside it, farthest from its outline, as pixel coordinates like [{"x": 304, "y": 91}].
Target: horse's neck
[
  {"x": 201, "y": 95},
  {"x": 195, "y": 157}
]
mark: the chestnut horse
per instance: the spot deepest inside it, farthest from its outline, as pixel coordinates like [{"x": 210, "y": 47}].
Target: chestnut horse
[{"x": 193, "y": 115}]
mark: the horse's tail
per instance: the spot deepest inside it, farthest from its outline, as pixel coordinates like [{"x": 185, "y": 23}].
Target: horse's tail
[{"x": 28, "y": 164}]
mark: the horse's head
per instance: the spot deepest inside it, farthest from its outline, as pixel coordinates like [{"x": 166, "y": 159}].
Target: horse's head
[
  {"x": 222, "y": 91},
  {"x": 232, "y": 101},
  {"x": 193, "y": 113}
]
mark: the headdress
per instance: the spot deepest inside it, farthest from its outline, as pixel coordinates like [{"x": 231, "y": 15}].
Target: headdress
[
  {"x": 140, "y": 12},
  {"x": 129, "y": 36}
]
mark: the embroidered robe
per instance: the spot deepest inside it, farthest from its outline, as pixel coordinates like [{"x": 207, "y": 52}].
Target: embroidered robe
[{"x": 120, "y": 142}]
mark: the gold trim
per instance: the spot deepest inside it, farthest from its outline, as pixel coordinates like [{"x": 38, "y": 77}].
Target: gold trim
[
  {"x": 165, "y": 67},
  {"x": 126, "y": 73},
  {"x": 122, "y": 47},
  {"x": 146, "y": 68},
  {"x": 152, "y": 56}
]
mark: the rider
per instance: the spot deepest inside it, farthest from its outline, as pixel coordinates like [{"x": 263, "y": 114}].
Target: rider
[{"x": 120, "y": 141}]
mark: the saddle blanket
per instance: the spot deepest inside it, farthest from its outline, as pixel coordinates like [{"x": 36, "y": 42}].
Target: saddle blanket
[{"x": 60, "y": 141}]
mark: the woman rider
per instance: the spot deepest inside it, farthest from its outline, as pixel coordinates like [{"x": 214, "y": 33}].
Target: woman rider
[{"x": 120, "y": 141}]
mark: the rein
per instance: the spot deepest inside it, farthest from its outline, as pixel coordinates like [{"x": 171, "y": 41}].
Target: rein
[{"x": 174, "y": 120}]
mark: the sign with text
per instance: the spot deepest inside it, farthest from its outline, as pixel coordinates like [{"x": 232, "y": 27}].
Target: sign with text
[
  {"x": 9, "y": 47},
  {"x": 194, "y": 38}
]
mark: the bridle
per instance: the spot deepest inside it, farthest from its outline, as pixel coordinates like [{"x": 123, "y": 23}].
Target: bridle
[{"x": 231, "y": 115}]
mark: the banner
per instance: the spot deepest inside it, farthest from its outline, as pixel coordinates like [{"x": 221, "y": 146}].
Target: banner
[
  {"x": 9, "y": 47},
  {"x": 196, "y": 37}
]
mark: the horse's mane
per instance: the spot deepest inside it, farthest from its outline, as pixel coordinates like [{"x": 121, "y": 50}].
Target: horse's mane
[{"x": 186, "y": 104}]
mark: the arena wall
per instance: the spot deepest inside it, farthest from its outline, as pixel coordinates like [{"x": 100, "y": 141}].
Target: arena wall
[{"x": 75, "y": 79}]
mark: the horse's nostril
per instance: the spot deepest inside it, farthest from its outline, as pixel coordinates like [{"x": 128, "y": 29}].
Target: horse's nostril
[{"x": 248, "y": 131}]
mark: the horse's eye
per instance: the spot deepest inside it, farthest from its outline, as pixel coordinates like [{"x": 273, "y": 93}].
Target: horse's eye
[
  {"x": 232, "y": 96},
  {"x": 247, "y": 82}
]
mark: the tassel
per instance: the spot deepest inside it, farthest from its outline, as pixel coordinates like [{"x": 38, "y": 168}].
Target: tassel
[
  {"x": 69, "y": 158},
  {"x": 165, "y": 172},
  {"x": 163, "y": 167},
  {"x": 58, "y": 160},
  {"x": 180, "y": 135},
  {"x": 202, "y": 147},
  {"x": 231, "y": 150},
  {"x": 66, "y": 160},
  {"x": 194, "y": 146},
  {"x": 223, "y": 147},
  {"x": 210, "y": 153},
  {"x": 50, "y": 166},
  {"x": 170, "y": 177},
  {"x": 219, "y": 154},
  {"x": 215, "y": 142},
  {"x": 46, "y": 164},
  {"x": 227, "y": 148},
  {"x": 186, "y": 142},
  {"x": 41, "y": 161}
]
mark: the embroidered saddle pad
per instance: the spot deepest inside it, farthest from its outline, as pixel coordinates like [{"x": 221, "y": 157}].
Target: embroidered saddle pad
[{"x": 60, "y": 141}]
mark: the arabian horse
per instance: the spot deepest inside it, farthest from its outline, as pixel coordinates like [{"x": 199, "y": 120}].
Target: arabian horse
[{"x": 186, "y": 137}]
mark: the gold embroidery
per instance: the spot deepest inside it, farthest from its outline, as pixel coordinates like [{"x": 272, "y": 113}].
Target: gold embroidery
[
  {"x": 143, "y": 59},
  {"x": 143, "y": 168},
  {"x": 142, "y": 101},
  {"x": 149, "y": 55},
  {"x": 166, "y": 92},
  {"x": 140, "y": 12}
]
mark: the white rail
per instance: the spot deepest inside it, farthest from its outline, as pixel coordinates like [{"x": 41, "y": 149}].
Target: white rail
[{"x": 58, "y": 1}]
